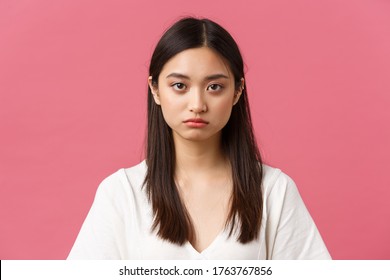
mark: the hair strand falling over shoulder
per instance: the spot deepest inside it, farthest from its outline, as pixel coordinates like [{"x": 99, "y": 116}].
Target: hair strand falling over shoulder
[{"x": 171, "y": 219}]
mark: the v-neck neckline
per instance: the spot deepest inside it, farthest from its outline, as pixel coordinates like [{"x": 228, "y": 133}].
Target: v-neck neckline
[{"x": 211, "y": 247}]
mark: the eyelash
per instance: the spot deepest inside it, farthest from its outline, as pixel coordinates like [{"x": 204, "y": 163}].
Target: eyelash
[
  {"x": 175, "y": 87},
  {"x": 220, "y": 87},
  {"x": 179, "y": 89}
]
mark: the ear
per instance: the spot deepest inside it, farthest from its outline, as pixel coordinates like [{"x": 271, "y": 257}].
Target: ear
[
  {"x": 238, "y": 92},
  {"x": 154, "y": 90}
]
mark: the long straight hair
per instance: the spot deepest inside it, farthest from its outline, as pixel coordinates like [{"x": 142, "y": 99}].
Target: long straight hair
[{"x": 171, "y": 219}]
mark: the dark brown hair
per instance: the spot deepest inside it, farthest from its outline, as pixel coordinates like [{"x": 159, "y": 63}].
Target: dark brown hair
[{"x": 171, "y": 219}]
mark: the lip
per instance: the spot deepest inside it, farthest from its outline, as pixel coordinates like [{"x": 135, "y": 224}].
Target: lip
[
  {"x": 196, "y": 123},
  {"x": 196, "y": 120}
]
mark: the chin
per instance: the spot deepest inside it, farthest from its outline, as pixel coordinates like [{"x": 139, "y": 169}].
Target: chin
[{"x": 198, "y": 136}]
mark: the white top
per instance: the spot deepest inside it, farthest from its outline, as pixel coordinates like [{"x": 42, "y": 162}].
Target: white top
[{"x": 118, "y": 225}]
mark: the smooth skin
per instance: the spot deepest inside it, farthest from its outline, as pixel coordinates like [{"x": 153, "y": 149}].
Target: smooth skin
[{"x": 198, "y": 84}]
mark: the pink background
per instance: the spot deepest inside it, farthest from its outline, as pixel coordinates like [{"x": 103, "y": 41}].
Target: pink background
[{"x": 73, "y": 109}]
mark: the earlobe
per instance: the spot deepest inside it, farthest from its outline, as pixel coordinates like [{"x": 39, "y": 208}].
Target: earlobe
[
  {"x": 238, "y": 92},
  {"x": 237, "y": 97},
  {"x": 154, "y": 90}
]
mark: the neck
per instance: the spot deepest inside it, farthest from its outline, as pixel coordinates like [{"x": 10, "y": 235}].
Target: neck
[{"x": 195, "y": 158}]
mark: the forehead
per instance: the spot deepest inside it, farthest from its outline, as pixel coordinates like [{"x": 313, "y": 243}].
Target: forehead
[{"x": 197, "y": 62}]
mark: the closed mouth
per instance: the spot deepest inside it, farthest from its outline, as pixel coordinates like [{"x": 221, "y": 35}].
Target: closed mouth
[{"x": 197, "y": 120}]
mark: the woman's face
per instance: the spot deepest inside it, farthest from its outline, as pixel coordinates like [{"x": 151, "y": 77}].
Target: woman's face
[{"x": 196, "y": 92}]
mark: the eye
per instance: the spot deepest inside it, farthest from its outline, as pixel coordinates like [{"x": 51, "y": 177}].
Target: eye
[
  {"x": 214, "y": 87},
  {"x": 179, "y": 86}
]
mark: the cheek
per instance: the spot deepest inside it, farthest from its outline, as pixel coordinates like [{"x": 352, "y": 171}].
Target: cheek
[
  {"x": 171, "y": 107},
  {"x": 224, "y": 110},
  {"x": 167, "y": 111},
  {"x": 226, "y": 103}
]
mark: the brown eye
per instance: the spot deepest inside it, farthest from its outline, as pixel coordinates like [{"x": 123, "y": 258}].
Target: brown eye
[
  {"x": 214, "y": 87},
  {"x": 179, "y": 86}
]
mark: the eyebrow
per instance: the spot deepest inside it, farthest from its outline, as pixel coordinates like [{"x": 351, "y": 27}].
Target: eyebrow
[{"x": 208, "y": 78}]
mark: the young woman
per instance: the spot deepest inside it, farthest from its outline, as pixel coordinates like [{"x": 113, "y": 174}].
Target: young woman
[{"x": 202, "y": 191}]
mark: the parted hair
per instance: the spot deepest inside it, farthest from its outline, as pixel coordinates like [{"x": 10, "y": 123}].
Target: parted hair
[{"x": 171, "y": 219}]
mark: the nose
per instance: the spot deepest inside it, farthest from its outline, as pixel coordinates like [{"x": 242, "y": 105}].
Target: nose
[{"x": 197, "y": 103}]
